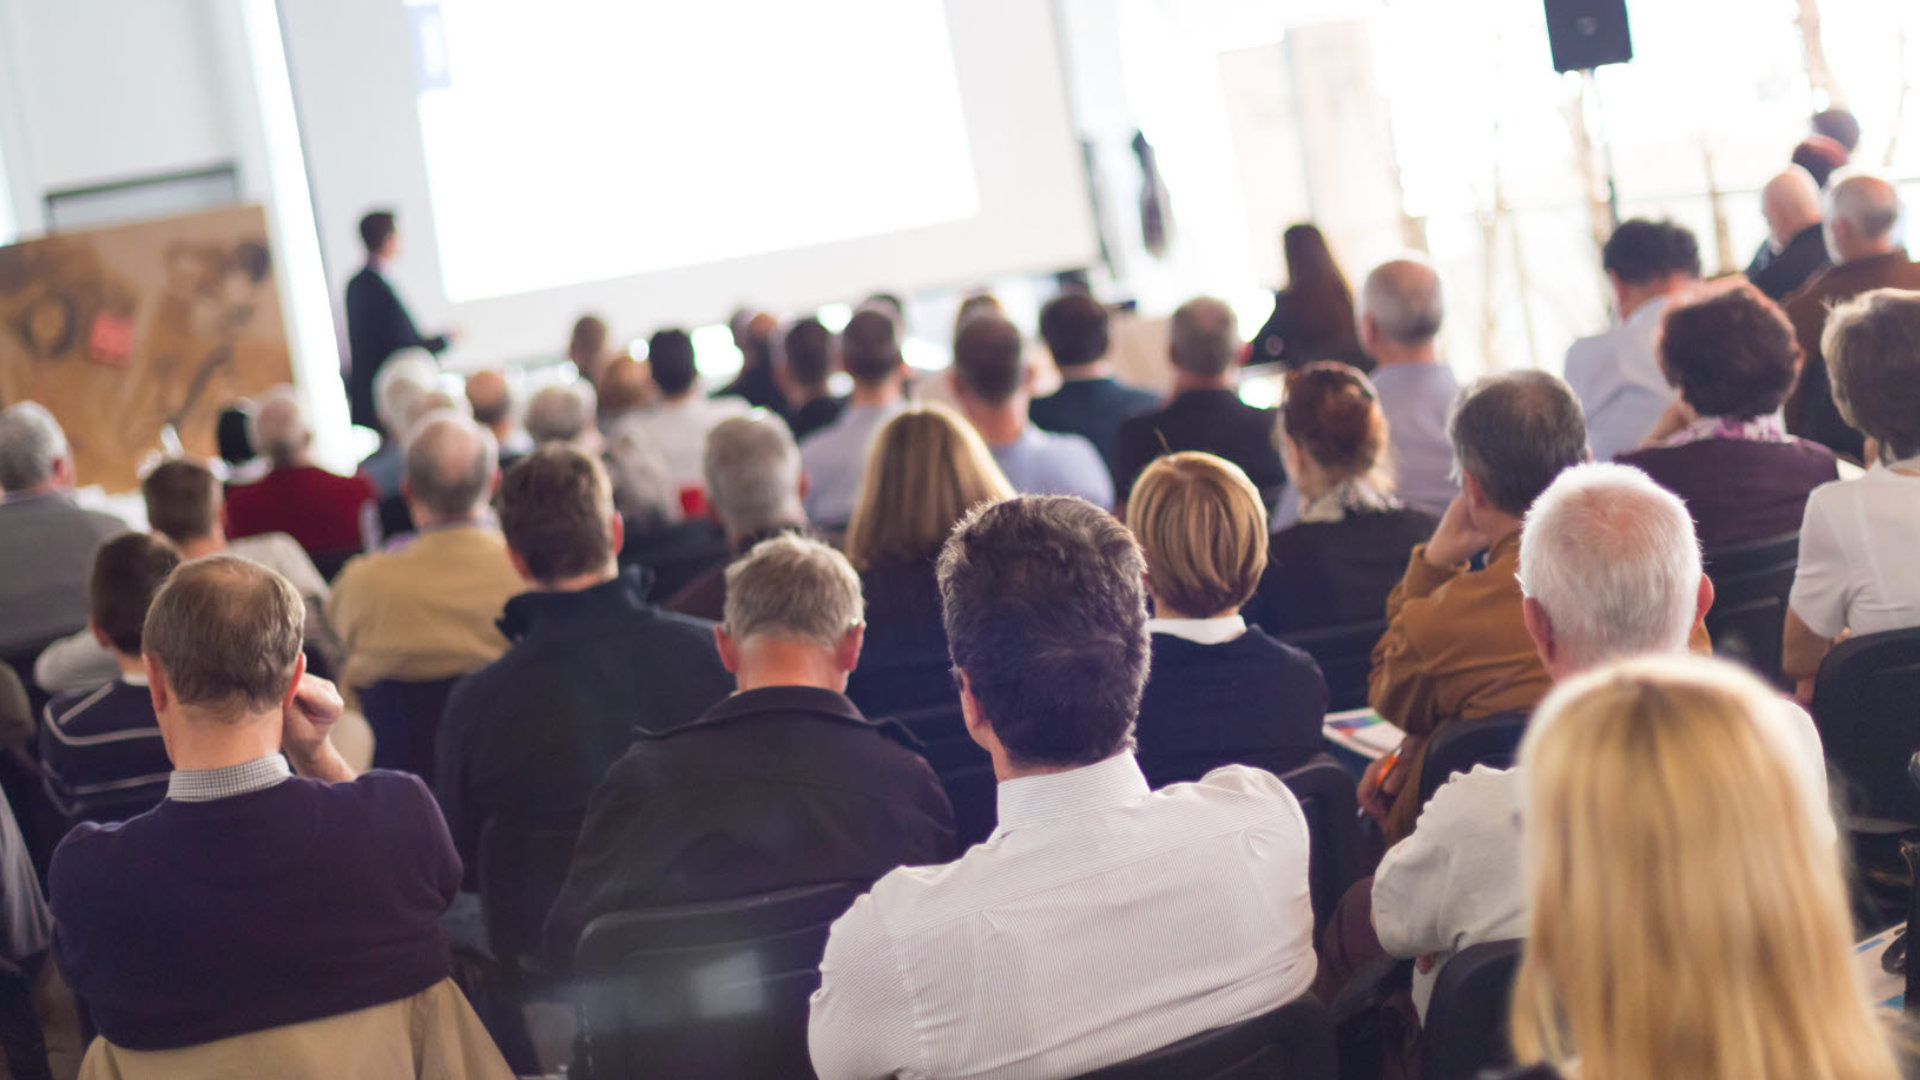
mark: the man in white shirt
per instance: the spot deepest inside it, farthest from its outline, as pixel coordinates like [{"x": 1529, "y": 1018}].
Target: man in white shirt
[
  {"x": 678, "y": 425},
  {"x": 835, "y": 457},
  {"x": 1100, "y": 920},
  {"x": 1616, "y": 374},
  {"x": 1610, "y": 568},
  {"x": 992, "y": 384}
]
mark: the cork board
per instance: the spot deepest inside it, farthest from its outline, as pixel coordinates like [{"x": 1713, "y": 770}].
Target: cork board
[{"x": 123, "y": 330}]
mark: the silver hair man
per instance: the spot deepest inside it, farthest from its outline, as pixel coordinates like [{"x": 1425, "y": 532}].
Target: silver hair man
[
  {"x": 1861, "y": 212},
  {"x": 33, "y": 449},
  {"x": 1403, "y": 299},
  {"x": 793, "y": 589},
  {"x": 1204, "y": 337},
  {"x": 562, "y": 413},
  {"x": 453, "y": 466},
  {"x": 406, "y": 374},
  {"x": 279, "y": 428},
  {"x": 752, "y": 469}
]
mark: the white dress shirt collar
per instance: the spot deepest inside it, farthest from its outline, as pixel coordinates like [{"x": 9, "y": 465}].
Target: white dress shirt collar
[
  {"x": 1104, "y": 785},
  {"x": 1214, "y": 631}
]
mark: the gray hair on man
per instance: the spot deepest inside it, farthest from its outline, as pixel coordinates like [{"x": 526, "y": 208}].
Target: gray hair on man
[
  {"x": 560, "y": 413},
  {"x": 279, "y": 427},
  {"x": 1403, "y": 297},
  {"x": 1204, "y": 337},
  {"x": 796, "y": 589},
  {"x": 32, "y": 446},
  {"x": 643, "y": 488},
  {"x": 406, "y": 374},
  {"x": 1612, "y": 559},
  {"x": 452, "y": 463},
  {"x": 226, "y": 633},
  {"x": 752, "y": 469},
  {"x": 1868, "y": 204}
]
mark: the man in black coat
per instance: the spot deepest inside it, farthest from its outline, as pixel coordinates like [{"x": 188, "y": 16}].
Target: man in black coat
[
  {"x": 377, "y": 322},
  {"x": 1795, "y": 249}
]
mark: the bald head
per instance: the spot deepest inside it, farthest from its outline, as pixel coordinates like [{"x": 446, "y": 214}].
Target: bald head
[
  {"x": 280, "y": 429},
  {"x": 1861, "y": 212},
  {"x": 1400, "y": 305},
  {"x": 452, "y": 464},
  {"x": 1790, "y": 202},
  {"x": 491, "y": 400}
]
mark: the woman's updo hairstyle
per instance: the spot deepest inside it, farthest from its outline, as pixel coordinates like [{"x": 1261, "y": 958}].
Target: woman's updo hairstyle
[{"x": 1332, "y": 413}]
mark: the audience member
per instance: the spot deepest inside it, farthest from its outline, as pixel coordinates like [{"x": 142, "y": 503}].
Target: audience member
[
  {"x": 992, "y": 384},
  {"x": 783, "y": 784},
  {"x": 754, "y": 492},
  {"x": 233, "y": 438},
  {"x": 527, "y": 737},
  {"x": 378, "y": 325},
  {"x": 587, "y": 347},
  {"x": 1312, "y": 317},
  {"x": 928, "y": 467},
  {"x": 563, "y": 414},
  {"x": 1456, "y": 647},
  {"x": 835, "y": 456},
  {"x": 1400, "y": 313},
  {"x": 1090, "y": 402},
  {"x": 1336, "y": 564},
  {"x": 1723, "y": 447},
  {"x": 1206, "y": 412},
  {"x": 625, "y": 388},
  {"x": 490, "y": 400},
  {"x": 427, "y": 611},
  {"x": 1219, "y": 692},
  {"x": 406, "y": 375},
  {"x": 1688, "y": 914},
  {"x": 251, "y": 897},
  {"x": 1861, "y": 215},
  {"x": 47, "y": 541},
  {"x": 667, "y": 547},
  {"x": 26, "y": 926},
  {"x": 1794, "y": 249},
  {"x": 1046, "y": 615},
  {"x": 319, "y": 509},
  {"x": 1616, "y": 374},
  {"x": 806, "y": 364},
  {"x": 758, "y": 384},
  {"x": 679, "y": 423},
  {"x": 1821, "y": 156},
  {"x": 101, "y": 750},
  {"x": 1857, "y": 570}
]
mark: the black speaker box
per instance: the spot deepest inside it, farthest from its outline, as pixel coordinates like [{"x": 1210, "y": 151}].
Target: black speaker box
[{"x": 1588, "y": 33}]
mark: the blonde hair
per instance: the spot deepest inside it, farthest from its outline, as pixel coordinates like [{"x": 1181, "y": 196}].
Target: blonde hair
[
  {"x": 1200, "y": 522},
  {"x": 927, "y": 467},
  {"x": 1687, "y": 909}
]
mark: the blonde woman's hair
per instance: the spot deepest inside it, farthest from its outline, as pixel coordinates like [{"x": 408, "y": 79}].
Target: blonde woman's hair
[
  {"x": 927, "y": 467},
  {"x": 1200, "y": 522},
  {"x": 1688, "y": 912}
]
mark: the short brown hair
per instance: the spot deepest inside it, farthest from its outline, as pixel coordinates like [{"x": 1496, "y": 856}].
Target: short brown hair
[
  {"x": 555, "y": 509},
  {"x": 1730, "y": 352},
  {"x": 926, "y": 468},
  {"x": 1074, "y": 326},
  {"x": 870, "y": 347},
  {"x": 127, "y": 571},
  {"x": 1204, "y": 531},
  {"x": 987, "y": 358},
  {"x": 1333, "y": 415},
  {"x": 1872, "y": 346},
  {"x": 183, "y": 500},
  {"x": 226, "y": 633}
]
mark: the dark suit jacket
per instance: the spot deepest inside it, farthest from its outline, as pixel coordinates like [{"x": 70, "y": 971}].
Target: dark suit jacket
[
  {"x": 773, "y": 789},
  {"x": 815, "y": 415},
  {"x": 1779, "y": 275},
  {"x": 905, "y": 664},
  {"x": 1215, "y": 421},
  {"x": 1249, "y": 701},
  {"x": 1334, "y": 573},
  {"x": 1811, "y": 413},
  {"x": 1092, "y": 409},
  {"x": 377, "y": 327}
]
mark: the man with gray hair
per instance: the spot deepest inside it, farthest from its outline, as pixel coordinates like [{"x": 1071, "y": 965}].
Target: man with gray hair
[
  {"x": 47, "y": 541},
  {"x": 324, "y": 511},
  {"x": 1795, "y": 249},
  {"x": 1862, "y": 213},
  {"x": 563, "y": 413},
  {"x": 755, "y": 490},
  {"x": 1206, "y": 412},
  {"x": 1399, "y": 317},
  {"x": 426, "y": 610},
  {"x": 781, "y": 785},
  {"x": 406, "y": 375}
]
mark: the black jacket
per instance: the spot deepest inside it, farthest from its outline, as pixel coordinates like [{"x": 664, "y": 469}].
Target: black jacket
[
  {"x": 531, "y": 734},
  {"x": 1334, "y": 573},
  {"x": 773, "y": 789},
  {"x": 377, "y": 327},
  {"x": 1780, "y": 275},
  {"x": 1215, "y": 421},
  {"x": 1249, "y": 701}
]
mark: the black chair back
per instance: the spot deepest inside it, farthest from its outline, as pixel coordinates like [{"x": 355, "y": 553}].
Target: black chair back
[
  {"x": 1750, "y": 586},
  {"x": 1293, "y": 1042},
  {"x": 1459, "y": 746},
  {"x": 1466, "y": 1028},
  {"x": 1345, "y": 655},
  {"x": 521, "y": 869},
  {"x": 965, "y": 770},
  {"x": 405, "y": 718},
  {"x": 717, "y": 990},
  {"x": 1866, "y": 704},
  {"x": 1328, "y": 797}
]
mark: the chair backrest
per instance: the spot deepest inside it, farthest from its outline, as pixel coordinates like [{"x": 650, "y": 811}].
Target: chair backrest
[
  {"x": 405, "y": 717},
  {"x": 716, "y": 990},
  {"x": 1328, "y": 798},
  {"x": 521, "y": 869},
  {"x": 1459, "y": 746},
  {"x": 1866, "y": 704},
  {"x": 1293, "y": 1042},
  {"x": 1466, "y": 1028},
  {"x": 965, "y": 770},
  {"x": 1345, "y": 655},
  {"x": 1750, "y": 586}
]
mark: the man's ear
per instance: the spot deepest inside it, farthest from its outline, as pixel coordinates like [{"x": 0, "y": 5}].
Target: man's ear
[
  {"x": 617, "y": 532},
  {"x": 157, "y": 688},
  {"x": 1369, "y": 332},
  {"x": 64, "y": 476},
  {"x": 1703, "y": 601},
  {"x": 293, "y": 686},
  {"x": 100, "y": 636},
  {"x": 847, "y": 656},
  {"x": 729, "y": 650},
  {"x": 1539, "y": 628},
  {"x": 1476, "y": 495},
  {"x": 520, "y": 567},
  {"x": 1027, "y": 376},
  {"x": 805, "y": 485}
]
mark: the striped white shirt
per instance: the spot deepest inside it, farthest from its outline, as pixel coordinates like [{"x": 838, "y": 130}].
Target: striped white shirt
[{"x": 1101, "y": 920}]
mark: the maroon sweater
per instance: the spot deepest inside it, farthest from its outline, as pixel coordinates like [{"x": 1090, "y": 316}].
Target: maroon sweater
[{"x": 1739, "y": 489}]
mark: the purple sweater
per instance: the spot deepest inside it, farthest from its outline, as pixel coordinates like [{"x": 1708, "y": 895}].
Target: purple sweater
[{"x": 198, "y": 921}]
